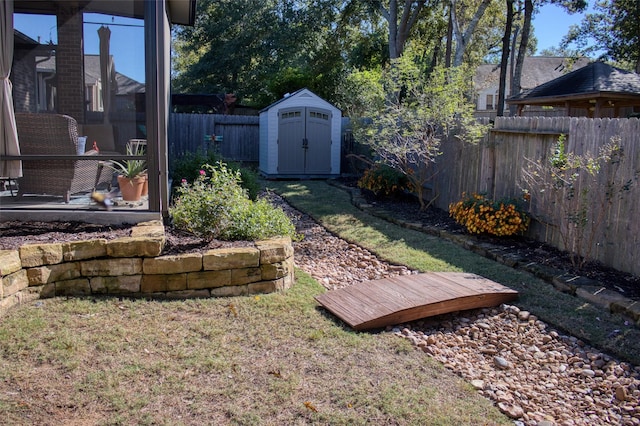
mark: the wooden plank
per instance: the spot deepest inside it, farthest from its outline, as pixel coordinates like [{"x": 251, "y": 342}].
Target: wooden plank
[
  {"x": 374, "y": 304},
  {"x": 464, "y": 167}
]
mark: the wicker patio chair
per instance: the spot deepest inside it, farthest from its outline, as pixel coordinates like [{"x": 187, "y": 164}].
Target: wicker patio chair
[{"x": 55, "y": 134}]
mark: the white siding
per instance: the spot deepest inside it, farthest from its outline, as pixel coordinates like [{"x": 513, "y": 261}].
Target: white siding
[
  {"x": 269, "y": 129},
  {"x": 264, "y": 144}
]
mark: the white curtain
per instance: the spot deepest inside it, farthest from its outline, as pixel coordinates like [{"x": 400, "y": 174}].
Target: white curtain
[{"x": 8, "y": 134}]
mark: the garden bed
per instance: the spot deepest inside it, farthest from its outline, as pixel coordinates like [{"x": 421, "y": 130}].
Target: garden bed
[
  {"x": 52, "y": 260},
  {"x": 406, "y": 209}
]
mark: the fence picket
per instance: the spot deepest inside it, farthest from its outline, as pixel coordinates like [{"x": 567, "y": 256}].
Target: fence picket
[
  {"x": 495, "y": 166},
  {"x": 240, "y": 135}
]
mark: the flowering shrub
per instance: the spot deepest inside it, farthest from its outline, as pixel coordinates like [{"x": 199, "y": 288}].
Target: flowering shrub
[
  {"x": 216, "y": 206},
  {"x": 481, "y": 215},
  {"x": 189, "y": 165},
  {"x": 384, "y": 180}
]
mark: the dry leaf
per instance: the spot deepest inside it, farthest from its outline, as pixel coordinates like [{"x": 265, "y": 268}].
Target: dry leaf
[
  {"x": 275, "y": 373},
  {"x": 310, "y": 406},
  {"x": 232, "y": 309}
]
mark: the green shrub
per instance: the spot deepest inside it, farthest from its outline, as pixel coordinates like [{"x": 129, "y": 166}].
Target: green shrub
[
  {"x": 188, "y": 165},
  {"x": 384, "y": 180},
  {"x": 249, "y": 181},
  {"x": 257, "y": 220},
  {"x": 216, "y": 206}
]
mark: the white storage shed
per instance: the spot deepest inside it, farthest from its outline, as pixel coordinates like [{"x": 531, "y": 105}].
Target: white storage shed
[{"x": 300, "y": 137}]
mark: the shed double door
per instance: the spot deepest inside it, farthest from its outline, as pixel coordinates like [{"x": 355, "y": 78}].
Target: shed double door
[{"x": 304, "y": 140}]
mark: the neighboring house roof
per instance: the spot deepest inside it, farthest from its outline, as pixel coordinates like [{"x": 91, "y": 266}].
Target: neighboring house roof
[
  {"x": 536, "y": 70},
  {"x": 20, "y": 38},
  {"x": 126, "y": 85},
  {"x": 23, "y": 41},
  {"x": 594, "y": 80}
]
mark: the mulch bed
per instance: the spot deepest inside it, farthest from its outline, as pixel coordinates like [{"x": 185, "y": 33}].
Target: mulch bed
[
  {"x": 407, "y": 208},
  {"x": 14, "y": 234}
]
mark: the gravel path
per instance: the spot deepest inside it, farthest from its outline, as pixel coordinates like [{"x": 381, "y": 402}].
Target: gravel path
[{"x": 532, "y": 373}]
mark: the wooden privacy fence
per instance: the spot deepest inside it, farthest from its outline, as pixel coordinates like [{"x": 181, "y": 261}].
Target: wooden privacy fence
[
  {"x": 495, "y": 166},
  {"x": 192, "y": 133}
]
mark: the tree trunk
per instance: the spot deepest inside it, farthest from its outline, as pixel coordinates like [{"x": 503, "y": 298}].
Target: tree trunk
[
  {"x": 463, "y": 38},
  {"x": 522, "y": 49},
  {"x": 399, "y": 29},
  {"x": 506, "y": 40},
  {"x": 512, "y": 61},
  {"x": 449, "y": 48}
]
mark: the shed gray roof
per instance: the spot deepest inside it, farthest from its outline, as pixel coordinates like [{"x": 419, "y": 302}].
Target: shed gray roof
[
  {"x": 595, "y": 78},
  {"x": 291, "y": 95}
]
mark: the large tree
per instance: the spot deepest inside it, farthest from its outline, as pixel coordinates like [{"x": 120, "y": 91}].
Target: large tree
[
  {"x": 528, "y": 9},
  {"x": 613, "y": 29},
  {"x": 401, "y": 16},
  {"x": 461, "y": 34},
  {"x": 250, "y": 47},
  {"x": 506, "y": 44}
]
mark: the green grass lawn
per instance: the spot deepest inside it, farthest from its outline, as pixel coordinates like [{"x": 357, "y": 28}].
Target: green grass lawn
[
  {"x": 266, "y": 360},
  {"x": 332, "y": 207},
  {"x": 274, "y": 359}
]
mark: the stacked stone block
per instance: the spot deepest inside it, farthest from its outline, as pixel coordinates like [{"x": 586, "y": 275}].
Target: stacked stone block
[{"x": 132, "y": 266}]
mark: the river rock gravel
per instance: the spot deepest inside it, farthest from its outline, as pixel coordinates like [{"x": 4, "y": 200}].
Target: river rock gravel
[{"x": 533, "y": 374}]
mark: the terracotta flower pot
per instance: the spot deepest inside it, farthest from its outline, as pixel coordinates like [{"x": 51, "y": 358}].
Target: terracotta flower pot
[
  {"x": 131, "y": 188},
  {"x": 145, "y": 186}
]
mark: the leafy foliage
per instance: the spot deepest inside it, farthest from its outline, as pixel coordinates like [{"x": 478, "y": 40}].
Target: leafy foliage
[
  {"x": 187, "y": 167},
  {"x": 257, "y": 220},
  {"x": 216, "y": 206},
  {"x": 130, "y": 168},
  {"x": 241, "y": 47},
  {"x": 384, "y": 180},
  {"x": 613, "y": 27},
  {"x": 408, "y": 114},
  {"x": 261, "y": 50},
  {"x": 481, "y": 215}
]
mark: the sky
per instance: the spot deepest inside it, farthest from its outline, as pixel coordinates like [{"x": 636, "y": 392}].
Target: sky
[
  {"x": 552, "y": 23},
  {"x": 127, "y": 38},
  {"x": 127, "y": 42}
]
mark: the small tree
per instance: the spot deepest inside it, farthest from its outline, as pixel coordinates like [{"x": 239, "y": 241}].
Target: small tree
[
  {"x": 575, "y": 186},
  {"x": 405, "y": 123}
]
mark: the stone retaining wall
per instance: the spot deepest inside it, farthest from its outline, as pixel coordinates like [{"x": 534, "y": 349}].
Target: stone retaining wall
[{"x": 132, "y": 266}]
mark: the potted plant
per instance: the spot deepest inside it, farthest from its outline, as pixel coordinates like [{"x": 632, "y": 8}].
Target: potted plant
[{"x": 131, "y": 175}]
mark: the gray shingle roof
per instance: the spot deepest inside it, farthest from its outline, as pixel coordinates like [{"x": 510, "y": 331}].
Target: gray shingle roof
[
  {"x": 596, "y": 77},
  {"x": 126, "y": 85},
  {"x": 536, "y": 70}
]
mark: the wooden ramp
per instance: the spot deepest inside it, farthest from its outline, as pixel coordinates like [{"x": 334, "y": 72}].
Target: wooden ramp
[{"x": 389, "y": 301}]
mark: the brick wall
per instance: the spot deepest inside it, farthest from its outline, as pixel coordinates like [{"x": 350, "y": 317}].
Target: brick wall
[
  {"x": 24, "y": 80},
  {"x": 69, "y": 62}
]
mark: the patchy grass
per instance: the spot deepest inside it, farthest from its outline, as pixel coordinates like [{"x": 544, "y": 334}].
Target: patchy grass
[
  {"x": 270, "y": 360},
  {"x": 332, "y": 208}
]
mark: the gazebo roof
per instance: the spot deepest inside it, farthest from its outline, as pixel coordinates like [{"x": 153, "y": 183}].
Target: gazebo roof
[{"x": 596, "y": 81}]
